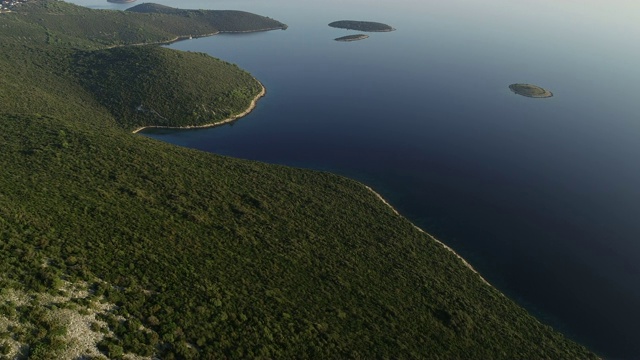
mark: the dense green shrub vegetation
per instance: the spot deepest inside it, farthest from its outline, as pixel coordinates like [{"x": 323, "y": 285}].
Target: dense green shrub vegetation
[
  {"x": 206, "y": 256},
  {"x": 70, "y": 25},
  {"x": 134, "y": 83},
  {"x": 223, "y": 20},
  {"x": 74, "y": 26}
]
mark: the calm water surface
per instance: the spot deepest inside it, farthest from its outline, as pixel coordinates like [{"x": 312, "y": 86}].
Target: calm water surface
[{"x": 542, "y": 196}]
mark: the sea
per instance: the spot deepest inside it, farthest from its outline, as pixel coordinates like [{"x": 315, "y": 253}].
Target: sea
[{"x": 541, "y": 196}]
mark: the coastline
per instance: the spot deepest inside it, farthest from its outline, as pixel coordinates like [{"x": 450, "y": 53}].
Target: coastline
[
  {"x": 388, "y": 30},
  {"x": 464, "y": 262},
  {"x": 252, "y": 106},
  {"x": 190, "y": 37},
  {"x": 167, "y": 42},
  {"x": 233, "y": 118},
  {"x": 252, "y": 31}
]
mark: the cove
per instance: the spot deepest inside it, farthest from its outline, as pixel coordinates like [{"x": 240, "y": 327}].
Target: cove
[{"x": 539, "y": 195}]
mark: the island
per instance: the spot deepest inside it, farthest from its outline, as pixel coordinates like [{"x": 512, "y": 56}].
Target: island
[
  {"x": 121, "y": 1},
  {"x": 531, "y": 91},
  {"x": 368, "y": 26},
  {"x": 349, "y": 38}
]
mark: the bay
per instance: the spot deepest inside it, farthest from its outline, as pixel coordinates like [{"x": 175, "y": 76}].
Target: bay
[{"x": 540, "y": 195}]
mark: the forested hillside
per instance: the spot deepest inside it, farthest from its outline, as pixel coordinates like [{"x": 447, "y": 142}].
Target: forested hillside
[
  {"x": 146, "y": 85},
  {"x": 223, "y": 20},
  {"x": 112, "y": 243},
  {"x": 69, "y": 25}
]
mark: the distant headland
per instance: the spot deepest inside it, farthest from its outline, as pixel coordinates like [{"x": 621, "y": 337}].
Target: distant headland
[
  {"x": 368, "y": 26},
  {"x": 529, "y": 90},
  {"x": 121, "y": 1},
  {"x": 355, "y": 37}
]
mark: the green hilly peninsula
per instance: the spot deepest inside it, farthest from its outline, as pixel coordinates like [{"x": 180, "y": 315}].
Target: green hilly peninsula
[
  {"x": 113, "y": 244},
  {"x": 224, "y": 20}
]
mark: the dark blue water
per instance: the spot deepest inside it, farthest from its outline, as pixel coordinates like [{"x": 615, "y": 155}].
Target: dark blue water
[{"x": 542, "y": 196}]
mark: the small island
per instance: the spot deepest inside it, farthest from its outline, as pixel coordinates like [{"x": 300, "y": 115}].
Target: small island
[
  {"x": 368, "y": 26},
  {"x": 531, "y": 91},
  {"x": 355, "y": 37}
]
